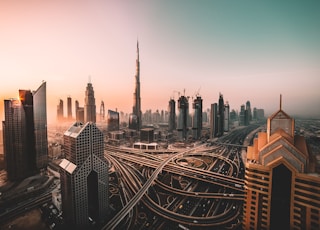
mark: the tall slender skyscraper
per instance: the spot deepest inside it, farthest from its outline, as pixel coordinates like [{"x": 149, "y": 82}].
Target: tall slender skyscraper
[
  {"x": 214, "y": 120},
  {"x": 84, "y": 176},
  {"x": 248, "y": 108},
  {"x": 60, "y": 110},
  {"x": 89, "y": 104},
  {"x": 135, "y": 121},
  {"x": 226, "y": 117},
  {"x": 25, "y": 133},
  {"x": 69, "y": 108},
  {"x": 40, "y": 125},
  {"x": 220, "y": 115},
  {"x": 197, "y": 118},
  {"x": 76, "y": 107},
  {"x": 102, "y": 111},
  {"x": 172, "y": 115},
  {"x": 182, "y": 126}
]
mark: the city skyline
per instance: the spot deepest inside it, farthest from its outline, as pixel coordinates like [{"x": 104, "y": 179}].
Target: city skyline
[{"x": 246, "y": 51}]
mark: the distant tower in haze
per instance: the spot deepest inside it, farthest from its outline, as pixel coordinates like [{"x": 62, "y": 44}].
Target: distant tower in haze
[
  {"x": 60, "y": 110},
  {"x": 89, "y": 104},
  {"x": 182, "y": 126},
  {"x": 242, "y": 115},
  {"x": 197, "y": 118},
  {"x": 220, "y": 115},
  {"x": 226, "y": 117},
  {"x": 102, "y": 111},
  {"x": 214, "y": 120},
  {"x": 79, "y": 112},
  {"x": 113, "y": 120},
  {"x": 76, "y": 105},
  {"x": 69, "y": 108},
  {"x": 25, "y": 133},
  {"x": 248, "y": 108},
  {"x": 84, "y": 176},
  {"x": 135, "y": 117},
  {"x": 172, "y": 115}
]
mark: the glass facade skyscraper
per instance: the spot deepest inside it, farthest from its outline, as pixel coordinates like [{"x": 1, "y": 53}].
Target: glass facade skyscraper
[
  {"x": 182, "y": 126},
  {"x": 25, "y": 133},
  {"x": 40, "y": 125},
  {"x": 197, "y": 118}
]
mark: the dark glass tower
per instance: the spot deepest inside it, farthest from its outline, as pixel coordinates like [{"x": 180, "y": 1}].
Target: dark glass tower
[
  {"x": 214, "y": 120},
  {"x": 20, "y": 162},
  {"x": 197, "y": 118},
  {"x": 25, "y": 133},
  {"x": 220, "y": 115},
  {"x": 135, "y": 121},
  {"x": 183, "y": 106},
  {"x": 69, "y": 108},
  {"x": 40, "y": 125},
  {"x": 60, "y": 110},
  {"x": 89, "y": 105},
  {"x": 172, "y": 115}
]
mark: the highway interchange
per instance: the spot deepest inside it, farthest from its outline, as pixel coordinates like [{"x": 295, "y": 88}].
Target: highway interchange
[{"x": 200, "y": 186}]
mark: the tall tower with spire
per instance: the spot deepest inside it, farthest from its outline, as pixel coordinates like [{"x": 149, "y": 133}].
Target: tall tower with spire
[
  {"x": 135, "y": 117},
  {"x": 89, "y": 104}
]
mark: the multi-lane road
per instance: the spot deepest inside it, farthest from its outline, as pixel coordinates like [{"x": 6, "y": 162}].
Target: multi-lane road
[{"x": 200, "y": 186}]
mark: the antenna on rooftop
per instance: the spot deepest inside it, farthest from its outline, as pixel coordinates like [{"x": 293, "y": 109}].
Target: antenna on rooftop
[
  {"x": 280, "y": 102},
  {"x": 89, "y": 79}
]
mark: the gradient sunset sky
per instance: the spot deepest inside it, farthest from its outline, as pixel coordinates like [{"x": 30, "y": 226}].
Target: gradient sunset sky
[{"x": 247, "y": 50}]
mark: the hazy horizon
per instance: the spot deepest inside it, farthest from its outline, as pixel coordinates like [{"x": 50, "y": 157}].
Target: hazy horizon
[{"x": 245, "y": 50}]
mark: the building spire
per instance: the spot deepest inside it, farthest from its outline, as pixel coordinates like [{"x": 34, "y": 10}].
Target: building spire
[
  {"x": 280, "y": 102},
  {"x": 137, "y": 49}
]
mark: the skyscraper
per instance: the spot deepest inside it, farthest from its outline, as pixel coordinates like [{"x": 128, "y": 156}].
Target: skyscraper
[
  {"x": 60, "y": 110},
  {"x": 220, "y": 115},
  {"x": 76, "y": 107},
  {"x": 40, "y": 125},
  {"x": 242, "y": 115},
  {"x": 281, "y": 190},
  {"x": 89, "y": 105},
  {"x": 135, "y": 119},
  {"x": 248, "y": 108},
  {"x": 197, "y": 118},
  {"x": 25, "y": 133},
  {"x": 226, "y": 117},
  {"x": 113, "y": 120},
  {"x": 84, "y": 176},
  {"x": 69, "y": 108},
  {"x": 214, "y": 120},
  {"x": 182, "y": 126},
  {"x": 172, "y": 115},
  {"x": 102, "y": 111}
]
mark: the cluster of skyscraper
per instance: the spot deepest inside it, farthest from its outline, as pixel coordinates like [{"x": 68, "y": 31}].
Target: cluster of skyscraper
[
  {"x": 186, "y": 125},
  {"x": 219, "y": 119},
  {"x": 280, "y": 191},
  {"x": 25, "y": 133},
  {"x": 83, "y": 114}
]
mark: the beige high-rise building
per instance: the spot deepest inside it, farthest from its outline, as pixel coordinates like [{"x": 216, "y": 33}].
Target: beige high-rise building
[
  {"x": 89, "y": 105},
  {"x": 281, "y": 189}
]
